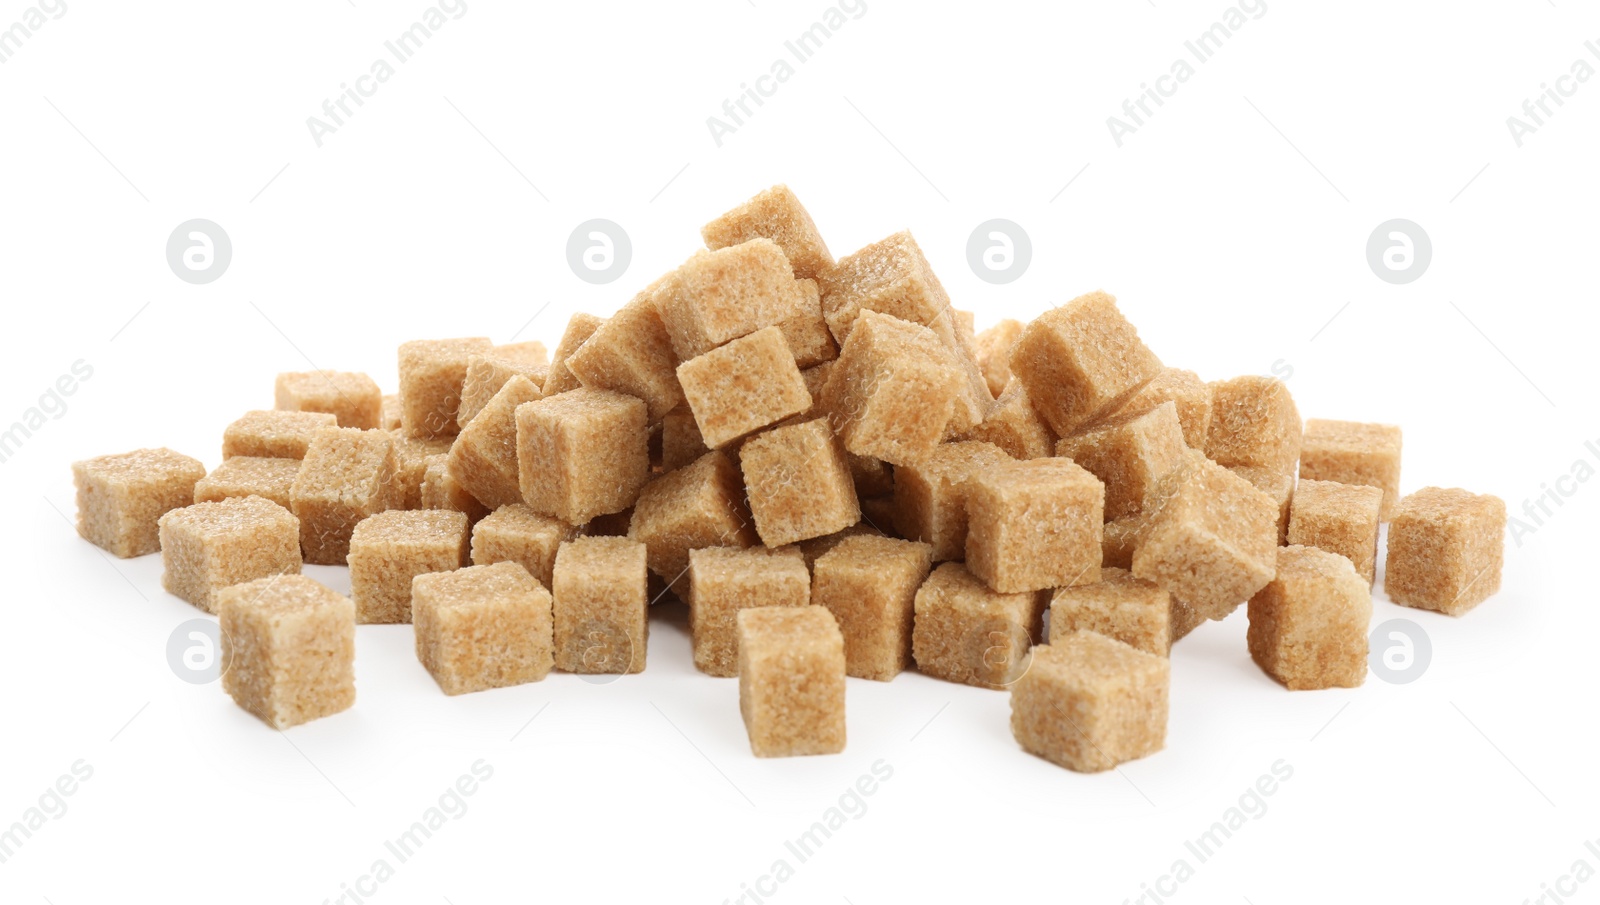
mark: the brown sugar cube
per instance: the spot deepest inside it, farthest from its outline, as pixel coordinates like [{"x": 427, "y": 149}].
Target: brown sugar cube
[
  {"x": 1182, "y": 388},
  {"x": 631, "y": 353},
  {"x": 1446, "y": 548},
  {"x": 440, "y": 490},
  {"x": 1034, "y": 525},
  {"x": 579, "y": 328},
  {"x": 1080, "y": 361},
  {"x": 698, "y": 505},
  {"x": 891, "y": 277},
  {"x": 798, "y": 483},
  {"x": 411, "y": 458},
  {"x": 1308, "y": 626},
  {"x": 352, "y": 398},
  {"x": 870, "y": 585},
  {"x": 804, "y": 328},
  {"x": 520, "y": 535},
  {"x": 290, "y": 649},
  {"x": 892, "y": 390},
  {"x": 348, "y": 475},
  {"x": 122, "y": 497},
  {"x": 1211, "y": 540},
  {"x": 483, "y": 459},
  {"x": 791, "y": 681},
  {"x": 1338, "y": 518},
  {"x": 1089, "y": 703},
  {"x": 482, "y": 627},
  {"x": 432, "y": 375},
  {"x": 931, "y": 497},
  {"x": 1014, "y": 425},
  {"x": 721, "y": 295},
  {"x": 963, "y": 631},
  {"x": 681, "y": 442},
  {"x": 774, "y": 214},
  {"x": 243, "y": 476},
  {"x": 1253, "y": 422},
  {"x": 994, "y": 353},
  {"x": 1129, "y": 455},
  {"x": 274, "y": 435},
  {"x": 389, "y": 549},
  {"x": 743, "y": 386},
  {"x": 1353, "y": 453},
  {"x": 1131, "y": 610},
  {"x": 487, "y": 372},
  {"x": 582, "y": 453},
  {"x": 1274, "y": 484},
  {"x": 209, "y": 546},
  {"x": 390, "y": 419},
  {"x": 601, "y": 604},
  {"x": 725, "y": 580}
]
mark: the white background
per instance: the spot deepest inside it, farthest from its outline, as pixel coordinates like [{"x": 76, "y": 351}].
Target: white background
[{"x": 1232, "y": 227}]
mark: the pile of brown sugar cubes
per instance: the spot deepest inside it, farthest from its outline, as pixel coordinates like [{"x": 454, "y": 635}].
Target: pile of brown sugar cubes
[{"x": 838, "y": 475}]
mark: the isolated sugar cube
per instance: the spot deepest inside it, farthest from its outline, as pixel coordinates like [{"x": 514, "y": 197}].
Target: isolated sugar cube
[
  {"x": 791, "y": 681},
  {"x": 121, "y": 498},
  {"x": 1089, "y": 703},
  {"x": 209, "y": 546},
  {"x": 891, "y": 277},
  {"x": 1446, "y": 550},
  {"x": 289, "y": 648}
]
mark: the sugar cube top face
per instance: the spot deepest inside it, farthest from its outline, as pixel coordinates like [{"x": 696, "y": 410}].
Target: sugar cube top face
[
  {"x": 243, "y": 476},
  {"x": 931, "y": 497},
  {"x": 348, "y": 474},
  {"x": 1338, "y": 518},
  {"x": 1034, "y": 525},
  {"x": 798, "y": 483},
  {"x": 1130, "y": 455},
  {"x": 582, "y": 453},
  {"x": 352, "y": 398},
  {"x": 891, "y": 277},
  {"x": 121, "y": 498},
  {"x": 778, "y": 215},
  {"x": 579, "y": 328},
  {"x": 482, "y": 627},
  {"x": 289, "y": 646},
  {"x": 1353, "y": 453},
  {"x": 721, "y": 295},
  {"x": 699, "y": 505},
  {"x": 791, "y": 681},
  {"x": 963, "y": 631},
  {"x": 1446, "y": 550},
  {"x": 209, "y": 546},
  {"x": 277, "y": 435},
  {"x": 725, "y": 580},
  {"x": 631, "y": 353},
  {"x": 743, "y": 386},
  {"x": 601, "y": 606},
  {"x": 892, "y": 390},
  {"x": 1089, "y": 703},
  {"x": 1308, "y": 626},
  {"x": 483, "y": 459},
  {"x": 432, "y": 375},
  {"x": 870, "y": 585},
  {"x": 1254, "y": 421},
  {"x": 1080, "y": 361},
  {"x": 1119, "y": 606},
  {"x": 520, "y": 535}
]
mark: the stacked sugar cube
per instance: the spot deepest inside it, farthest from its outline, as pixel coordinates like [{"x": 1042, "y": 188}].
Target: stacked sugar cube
[{"x": 834, "y": 471}]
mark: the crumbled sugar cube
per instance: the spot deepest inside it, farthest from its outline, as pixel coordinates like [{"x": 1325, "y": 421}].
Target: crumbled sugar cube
[
  {"x": 1014, "y": 425},
  {"x": 483, "y": 459},
  {"x": 274, "y": 435},
  {"x": 1080, "y": 361},
  {"x": 209, "y": 546},
  {"x": 1089, "y": 703},
  {"x": 721, "y": 295},
  {"x": 583, "y": 453},
  {"x": 742, "y": 386},
  {"x": 1308, "y": 626},
  {"x": 348, "y": 474},
  {"x": 1119, "y": 606},
  {"x": 352, "y": 398},
  {"x": 601, "y": 604},
  {"x": 698, "y": 505},
  {"x": 243, "y": 476},
  {"x": 440, "y": 490},
  {"x": 1182, "y": 388},
  {"x": 1338, "y": 518},
  {"x": 1446, "y": 549},
  {"x": 122, "y": 497},
  {"x": 390, "y": 548},
  {"x": 1129, "y": 455},
  {"x": 520, "y": 535},
  {"x": 1274, "y": 484},
  {"x": 482, "y": 627},
  {"x": 290, "y": 648},
  {"x": 725, "y": 580},
  {"x": 891, "y": 392},
  {"x": 579, "y": 328},
  {"x": 774, "y": 214},
  {"x": 681, "y": 442},
  {"x": 964, "y": 631},
  {"x": 432, "y": 375},
  {"x": 791, "y": 681},
  {"x": 411, "y": 458},
  {"x": 994, "y": 353},
  {"x": 1035, "y": 525},
  {"x": 804, "y": 328},
  {"x": 798, "y": 483},
  {"x": 488, "y": 371},
  {"x": 870, "y": 585},
  {"x": 630, "y": 353},
  {"x": 1353, "y": 453},
  {"x": 931, "y": 496},
  {"x": 1253, "y": 422}
]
